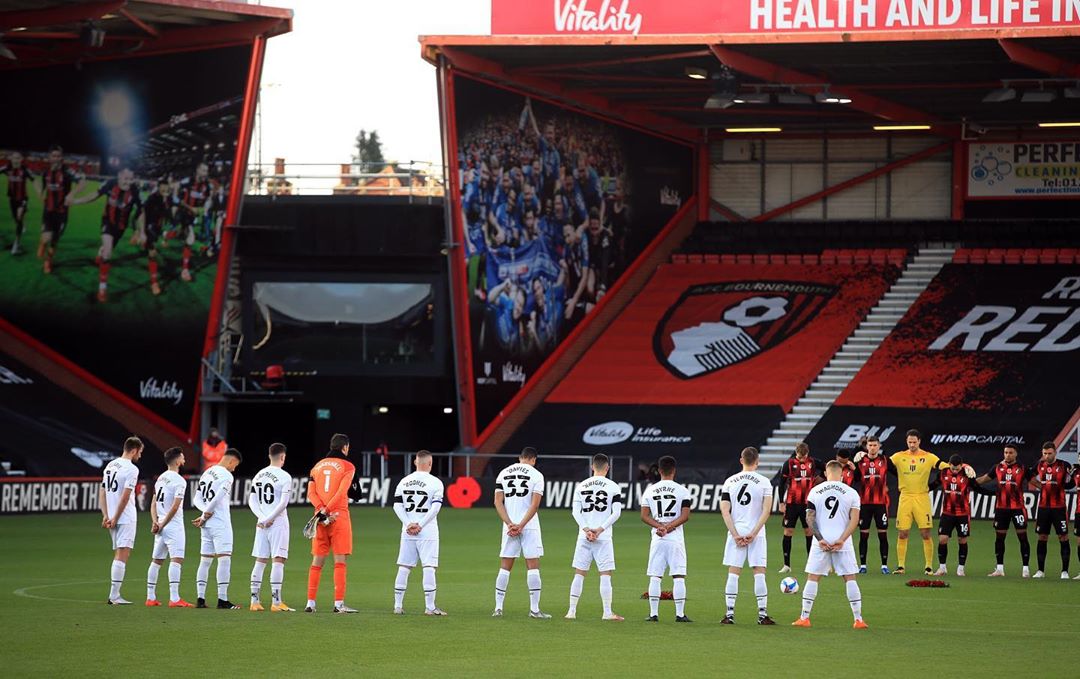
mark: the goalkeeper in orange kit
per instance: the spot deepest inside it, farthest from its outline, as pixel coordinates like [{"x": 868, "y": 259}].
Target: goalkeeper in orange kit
[{"x": 328, "y": 492}]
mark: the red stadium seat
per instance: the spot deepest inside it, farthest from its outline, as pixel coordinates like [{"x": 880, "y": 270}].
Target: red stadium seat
[
  {"x": 727, "y": 259},
  {"x": 977, "y": 256},
  {"x": 828, "y": 257},
  {"x": 1067, "y": 255},
  {"x": 861, "y": 257},
  {"x": 897, "y": 256},
  {"x": 1013, "y": 255},
  {"x": 678, "y": 258},
  {"x": 961, "y": 256},
  {"x": 811, "y": 259},
  {"x": 879, "y": 257},
  {"x": 1048, "y": 256},
  {"x": 777, "y": 259},
  {"x": 744, "y": 259},
  {"x": 996, "y": 255},
  {"x": 1031, "y": 256},
  {"x": 793, "y": 259},
  {"x": 712, "y": 259},
  {"x": 761, "y": 259},
  {"x": 695, "y": 259}
]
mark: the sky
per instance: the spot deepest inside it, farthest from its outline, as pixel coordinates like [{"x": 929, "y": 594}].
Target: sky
[{"x": 352, "y": 64}]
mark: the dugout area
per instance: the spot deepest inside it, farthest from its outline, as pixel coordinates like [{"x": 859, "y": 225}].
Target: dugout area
[{"x": 809, "y": 146}]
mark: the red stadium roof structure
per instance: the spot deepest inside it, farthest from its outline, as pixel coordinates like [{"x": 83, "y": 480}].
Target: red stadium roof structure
[{"x": 694, "y": 70}]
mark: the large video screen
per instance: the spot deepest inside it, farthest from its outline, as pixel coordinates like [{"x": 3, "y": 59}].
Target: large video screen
[
  {"x": 555, "y": 206},
  {"x": 117, "y": 175}
]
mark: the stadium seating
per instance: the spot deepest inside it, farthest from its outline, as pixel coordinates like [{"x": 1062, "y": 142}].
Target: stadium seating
[{"x": 1016, "y": 256}]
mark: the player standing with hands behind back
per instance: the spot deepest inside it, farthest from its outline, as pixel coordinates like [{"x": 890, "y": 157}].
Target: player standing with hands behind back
[
  {"x": 665, "y": 507},
  {"x": 417, "y": 501},
  {"x": 213, "y": 496},
  {"x": 518, "y": 491},
  {"x": 746, "y": 501},
  {"x": 328, "y": 492},
  {"x": 597, "y": 505},
  {"x": 269, "y": 502},
  {"x": 117, "y": 501}
]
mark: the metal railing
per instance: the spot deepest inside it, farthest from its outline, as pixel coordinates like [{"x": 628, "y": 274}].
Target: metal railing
[
  {"x": 416, "y": 180},
  {"x": 394, "y": 463}
]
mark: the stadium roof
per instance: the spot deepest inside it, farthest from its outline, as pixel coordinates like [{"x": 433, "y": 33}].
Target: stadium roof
[
  {"x": 916, "y": 79},
  {"x": 40, "y": 33}
]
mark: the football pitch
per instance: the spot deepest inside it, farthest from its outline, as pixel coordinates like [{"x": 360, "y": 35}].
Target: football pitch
[{"x": 54, "y": 580}]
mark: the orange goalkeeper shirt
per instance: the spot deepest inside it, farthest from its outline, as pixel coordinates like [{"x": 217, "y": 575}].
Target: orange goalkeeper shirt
[{"x": 328, "y": 488}]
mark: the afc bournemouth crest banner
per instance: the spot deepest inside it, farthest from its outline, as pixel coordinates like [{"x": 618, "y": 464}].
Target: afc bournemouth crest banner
[
  {"x": 716, "y": 325},
  {"x": 1024, "y": 170}
]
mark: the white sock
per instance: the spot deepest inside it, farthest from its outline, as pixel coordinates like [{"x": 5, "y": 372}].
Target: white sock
[
  {"x": 678, "y": 590},
  {"x": 654, "y": 596},
  {"x": 174, "y": 581},
  {"x": 575, "y": 591},
  {"x": 338, "y": 603},
  {"x": 761, "y": 590},
  {"x": 151, "y": 580},
  {"x": 256, "y": 581},
  {"x": 311, "y": 604},
  {"x": 118, "y": 568},
  {"x": 400, "y": 583},
  {"x": 854, "y": 597},
  {"x": 809, "y": 593},
  {"x": 532, "y": 578},
  {"x": 277, "y": 577},
  {"x": 731, "y": 592},
  {"x": 429, "y": 588},
  {"x": 224, "y": 569},
  {"x": 502, "y": 581},
  {"x": 202, "y": 575},
  {"x": 605, "y": 593}
]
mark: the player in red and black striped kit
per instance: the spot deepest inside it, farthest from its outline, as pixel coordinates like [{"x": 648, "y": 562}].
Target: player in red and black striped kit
[
  {"x": 195, "y": 195},
  {"x": 122, "y": 202},
  {"x": 1052, "y": 477},
  {"x": 799, "y": 474},
  {"x": 956, "y": 488},
  {"x": 19, "y": 179},
  {"x": 1012, "y": 480},
  {"x": 57, "y": 185},
  {"x": 157, "y": 213},
  {"x": 1075, "y": 476},
  {"x": 872, "y": 471}
]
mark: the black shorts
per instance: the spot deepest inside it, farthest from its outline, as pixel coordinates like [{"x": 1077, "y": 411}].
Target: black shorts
[
  {"x": 1048, "y": 518},
  {"x": 54, "y": 223},
  {"x": 152, "y": 235},
  {"x": 1076, "y": 524},
  {"x": 876, "y": 514},
  {"x": 1004, "y": 517},
  {"x": 110, "y": 229},
  {"x": 794, "y": 513},
  {"x": 16, "y": 205},
  {"x": 948, "y": 523}
]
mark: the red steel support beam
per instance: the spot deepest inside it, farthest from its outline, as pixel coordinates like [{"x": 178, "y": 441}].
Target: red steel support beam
[
  {"x": 1039, "y": 61},
  {"x": 578, "y": 65},
  {"x": 142, "y": 25},
  {"x": 644, "y": 120},
  {"x": 854, "y": 181},
  {"x": 726, "y": 211},
  {"x": 860, "y": 101},
  {"x": 54, "y": 16}
]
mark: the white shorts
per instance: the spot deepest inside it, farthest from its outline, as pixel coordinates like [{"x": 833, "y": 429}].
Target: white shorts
[
  {"x": 753, "y": 555},
  {"x": 527, "y": 544},
  {"x": 216, "y": 539},
  {"x": 171, "y": 541},
  {"x": 600, "y": 551},
  {"x": 272, "y": 542},
  {"x": 666, "y": 554},
  {"x": 123, "y": 536},
  {"x": 426, "y": 552},
  {"x": 842, "y": 562}
]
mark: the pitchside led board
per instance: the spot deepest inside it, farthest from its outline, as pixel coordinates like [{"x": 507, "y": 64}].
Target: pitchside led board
[
  {"x": 72, "y": 137},
  {"x": 555, "y": 206}
]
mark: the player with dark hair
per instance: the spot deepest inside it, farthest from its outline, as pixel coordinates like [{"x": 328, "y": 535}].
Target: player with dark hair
[
  {"x": 328, "y": 492},
  {"x": 597, "y": 504},
  {"x": 167, "y": 525},
  {"x": 799, "y": 474},
  {"x": 116, "y": 498},
  {"x": 214, "y": 496},
  {"x": 122, "y": 202},
  {"x": 157, "y": 213},
  {"x": 19, "y": 179},
  {"x": 849, "y": 473},
  {"x": 1012, "y": 480},
  {"x": 195, "y": 196},
  {"x": 518, "y": 491},
  {"x": 57, "y": 184},
  {"x": 665, "y": 507},
  {"x": 956, "y": 488},
  {"x": 1052, "y": 478},
  {"x": 873, "y": 470}
]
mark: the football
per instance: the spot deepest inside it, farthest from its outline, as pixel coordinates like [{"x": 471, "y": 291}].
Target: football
[{"x": 789, "y": 585}]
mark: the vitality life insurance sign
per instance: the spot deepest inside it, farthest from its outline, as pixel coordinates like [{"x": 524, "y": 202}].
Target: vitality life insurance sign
[{"x": 1024, "y": 170}]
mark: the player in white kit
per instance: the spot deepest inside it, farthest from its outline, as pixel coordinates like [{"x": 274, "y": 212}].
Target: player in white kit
[
  {"x": 167, "y": 525},
  {"x": 518, "y": 491},
  {"x": 665, "y": 506},
  {"x": 212, "y": 496},
  {"x": 116, "y": 498},
  {"x": 597, "y": 505},
  {"x": 745, "y": 502},
  {"x": 417, "y": 501},
  {"x": 271, "y": 490},
  {"x": 832, "y": 513}
]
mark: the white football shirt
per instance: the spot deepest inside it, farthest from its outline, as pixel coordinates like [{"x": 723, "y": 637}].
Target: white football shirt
[
  {"x": 518, "y": 483},
  {"x": 746, "y": 491},
  {"x": 665, "y": 500},
  {"x": 832, "y": 503},
  {"x": 213, "y": 494},
  {"x": 271, "y": 487},
  {"x": 120, "y": 474},
  {"x": 594, "y": 499},
  {"x": 419, "y": 493},
  {"x": 170, "y": 487}
]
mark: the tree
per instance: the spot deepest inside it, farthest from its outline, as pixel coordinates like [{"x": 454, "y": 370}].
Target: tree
[{"x": 368, "y": 151}]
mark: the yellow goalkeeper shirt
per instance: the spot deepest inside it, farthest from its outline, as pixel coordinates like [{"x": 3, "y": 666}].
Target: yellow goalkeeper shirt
[{"x": 913, "y": 470}]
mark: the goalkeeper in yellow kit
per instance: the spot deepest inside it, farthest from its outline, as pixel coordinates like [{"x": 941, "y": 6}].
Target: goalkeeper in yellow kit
[{"x": 913, "y": 467}]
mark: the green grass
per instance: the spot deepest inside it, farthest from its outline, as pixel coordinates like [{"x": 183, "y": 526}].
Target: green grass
[
  {"x": 68, "y": 294},
  {"x": 54, "y": 573}
]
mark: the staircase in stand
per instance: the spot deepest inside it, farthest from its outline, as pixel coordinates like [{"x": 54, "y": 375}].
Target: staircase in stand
[{"x": 844, "y": 365}]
